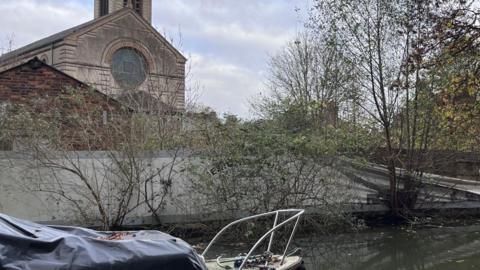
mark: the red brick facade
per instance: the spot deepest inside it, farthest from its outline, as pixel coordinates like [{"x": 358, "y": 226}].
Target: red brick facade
[
  {"x": 36, "y": 81},
  {"x": 44, "y": 90}
]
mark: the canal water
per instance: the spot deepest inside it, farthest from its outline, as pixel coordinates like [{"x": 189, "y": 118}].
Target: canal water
[
  {"x": 455, "y": 248},
  {"x": 448, "y": 248}
]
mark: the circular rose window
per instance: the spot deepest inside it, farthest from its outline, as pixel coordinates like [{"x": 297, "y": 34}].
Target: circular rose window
[{"x": 129, "y": 68}]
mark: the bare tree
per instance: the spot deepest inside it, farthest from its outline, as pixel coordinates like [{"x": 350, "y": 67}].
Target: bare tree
[
  {"x": 8, "y": 45},
  {"x": 312, "y": 75},
  {"x": 101, "y": 160}
]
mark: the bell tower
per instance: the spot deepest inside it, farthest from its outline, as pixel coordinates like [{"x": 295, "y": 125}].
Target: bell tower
[{"x": 142, "y": 7}]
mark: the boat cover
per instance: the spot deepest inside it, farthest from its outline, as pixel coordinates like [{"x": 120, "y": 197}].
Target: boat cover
[{"x": 29, "y": 246}]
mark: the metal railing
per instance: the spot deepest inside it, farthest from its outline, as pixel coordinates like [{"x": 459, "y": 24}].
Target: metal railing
[{"x": 271, "y": 232}]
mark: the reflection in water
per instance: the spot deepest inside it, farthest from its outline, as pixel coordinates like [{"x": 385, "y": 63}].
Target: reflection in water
[
  {"x": 435, "y": 249},
  {"x": 387, "y": 249}
]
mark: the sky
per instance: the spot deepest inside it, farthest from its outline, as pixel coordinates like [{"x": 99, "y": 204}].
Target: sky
[{"x": 228, "y": 42}]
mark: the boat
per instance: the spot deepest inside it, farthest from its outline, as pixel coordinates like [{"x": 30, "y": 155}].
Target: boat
[
  {"x": 31, "y": 246},
  {"x": 265, "y": 260}
]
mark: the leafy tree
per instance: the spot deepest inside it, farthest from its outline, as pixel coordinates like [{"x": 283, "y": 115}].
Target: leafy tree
[
  {"x": 454, "y": 59},
  {"x": 395, "y": 47}
]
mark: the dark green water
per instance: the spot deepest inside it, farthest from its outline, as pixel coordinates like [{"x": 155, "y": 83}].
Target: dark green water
[
  {"x": 396, "y": 249},
  {"x": 453, "y": 248}
]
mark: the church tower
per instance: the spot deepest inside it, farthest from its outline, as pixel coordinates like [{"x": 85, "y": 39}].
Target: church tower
[{"x": 142, "y": 7}]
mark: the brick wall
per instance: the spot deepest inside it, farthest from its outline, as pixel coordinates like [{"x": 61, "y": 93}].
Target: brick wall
[
  {"x": 43, "y": 89},
  {"x": 25, "y": 83},
  {"x": 35, "y": 81}
]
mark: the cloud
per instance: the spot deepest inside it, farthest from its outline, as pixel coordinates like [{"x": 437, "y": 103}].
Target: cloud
[
  {"x": 30, "y": 20},
  {"x": 229, "y": 40},
  {"x": 226, "y": 87}
]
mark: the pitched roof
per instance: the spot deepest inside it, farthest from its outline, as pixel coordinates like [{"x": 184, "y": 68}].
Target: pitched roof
[
  {"x": 132, "y": 101},
  {"x": 66, "y": 33},
  {"x": 47, "y": 41},
  {"x": 36, "y": 63}
]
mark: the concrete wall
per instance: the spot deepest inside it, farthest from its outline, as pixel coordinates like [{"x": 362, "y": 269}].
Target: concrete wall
[
  {"x": 18, "y": 178},
  {"x": 465, "y": 165}
]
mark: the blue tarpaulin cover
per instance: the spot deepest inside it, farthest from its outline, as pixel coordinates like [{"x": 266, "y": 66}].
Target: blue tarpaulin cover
[{"x": 29, "y": 246}]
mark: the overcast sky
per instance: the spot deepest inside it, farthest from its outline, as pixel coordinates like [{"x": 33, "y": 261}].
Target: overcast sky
[{"x": 228, "y": 42}]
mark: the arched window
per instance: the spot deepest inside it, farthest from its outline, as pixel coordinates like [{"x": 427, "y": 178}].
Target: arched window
[
  {"x": 137, "y": 5},
  {"x": 103, "y": 7},
  {"x": 44, "y": 58}
]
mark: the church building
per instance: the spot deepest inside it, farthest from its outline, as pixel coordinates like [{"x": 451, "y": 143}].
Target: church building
[{"x": 118, "y": 53}]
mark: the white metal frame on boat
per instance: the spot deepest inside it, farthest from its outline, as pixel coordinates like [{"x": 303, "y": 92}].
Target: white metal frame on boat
[{"x": 295, "y": 217}]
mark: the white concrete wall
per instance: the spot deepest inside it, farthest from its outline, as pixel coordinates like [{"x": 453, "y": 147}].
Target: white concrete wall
[{"x": 18, "y": 177}]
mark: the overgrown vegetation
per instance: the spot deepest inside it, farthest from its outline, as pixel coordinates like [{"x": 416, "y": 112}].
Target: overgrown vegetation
[
  {"x": 93, "y": 156},
  {"x": 402, "y": 52},
  {"x": 257, "y": 167},
  {"x": 401, "y": 76}
]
